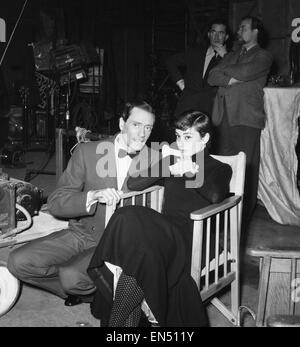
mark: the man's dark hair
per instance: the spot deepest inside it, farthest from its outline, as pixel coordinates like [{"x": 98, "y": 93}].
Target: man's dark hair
[
  {"x": 219, "y": 21},
  {"x": 257, "y": 24},
  {"x": 142, "y": 104}
]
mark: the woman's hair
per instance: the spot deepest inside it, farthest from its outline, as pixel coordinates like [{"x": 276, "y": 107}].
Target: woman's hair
[
  {"x": 196, "y": 119},
  {"x": 139, "y": 103}
]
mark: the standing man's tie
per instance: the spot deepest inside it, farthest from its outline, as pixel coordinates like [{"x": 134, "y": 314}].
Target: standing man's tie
[
  {"x": 242, "y": 53},
  {"x": 213, "y": 62}
]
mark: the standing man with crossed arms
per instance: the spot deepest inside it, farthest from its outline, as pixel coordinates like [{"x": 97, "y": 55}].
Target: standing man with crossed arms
[{"x": 238, "y": 111}]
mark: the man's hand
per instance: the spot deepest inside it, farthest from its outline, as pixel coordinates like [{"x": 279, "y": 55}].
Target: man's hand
[
  {"x": 234, "y": 81},
  {"x": 181, "y": 84},
  {"x": 220, "y": 49},
  {"x": 109, "y": 196}
]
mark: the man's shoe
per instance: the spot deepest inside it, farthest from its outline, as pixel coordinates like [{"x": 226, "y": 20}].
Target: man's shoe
[{"x": 73, "y": 300}]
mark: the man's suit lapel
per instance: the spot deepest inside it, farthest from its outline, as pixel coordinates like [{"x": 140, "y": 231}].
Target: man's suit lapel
[
  {"x": 110, "y": 181},
  {"x": 213, "y": 62},
  {"x": 202, "y": 56}
]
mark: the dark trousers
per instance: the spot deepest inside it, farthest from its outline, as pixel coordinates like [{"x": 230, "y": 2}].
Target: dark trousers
[
  {"x": 230, "y": 140},
  {"x": 57, "y": 263}
]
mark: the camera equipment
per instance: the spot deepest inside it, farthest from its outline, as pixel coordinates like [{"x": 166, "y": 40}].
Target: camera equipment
[
  {"x": 69, "y": 63},
  {"x": 7, "y": 206},
  {"x": 17, "y": 193},
  {"x": 12, "y": 156}
]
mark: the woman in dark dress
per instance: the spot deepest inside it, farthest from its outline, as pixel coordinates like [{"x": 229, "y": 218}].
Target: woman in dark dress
[{"x": 150, "y": 253}]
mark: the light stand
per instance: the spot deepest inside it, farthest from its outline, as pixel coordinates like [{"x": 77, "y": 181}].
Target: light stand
[
  {"x": 68, "y": 102},
  {"x": 61, "y": 133}
]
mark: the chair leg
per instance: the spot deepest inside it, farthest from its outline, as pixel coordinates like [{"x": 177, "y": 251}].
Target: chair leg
[
  {"x": 235, "y": 267},
  {"x": 263, "y": 290},
  {"x": 235, "y": 294}
]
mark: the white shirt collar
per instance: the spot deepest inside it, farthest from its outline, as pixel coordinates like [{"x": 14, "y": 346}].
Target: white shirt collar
[
  {"x": 118, "y": 144},
  {"x": 122, "y": 164},
  {"x": 210, "y": 51},
  {"x": 248, "y": 48}
]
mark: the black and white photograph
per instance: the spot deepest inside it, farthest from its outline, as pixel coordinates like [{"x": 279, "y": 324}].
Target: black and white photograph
[{"x": 149, "y": 166}]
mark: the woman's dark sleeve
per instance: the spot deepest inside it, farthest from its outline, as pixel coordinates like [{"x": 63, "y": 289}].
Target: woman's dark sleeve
[
  {"x": 216, "y": 183},
  {"x": 153, "y": 175}
]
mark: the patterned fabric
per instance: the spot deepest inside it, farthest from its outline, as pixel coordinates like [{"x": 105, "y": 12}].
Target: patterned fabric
[
  {"x": 126, "y": 310},
  {"x": 243, "y": 52}
]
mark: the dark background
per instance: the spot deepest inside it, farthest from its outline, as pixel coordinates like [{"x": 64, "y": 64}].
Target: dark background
[{"x": 137, "y": 36}]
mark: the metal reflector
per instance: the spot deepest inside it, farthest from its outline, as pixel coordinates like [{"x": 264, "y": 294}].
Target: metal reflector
[{"x": 9, "y": 289}]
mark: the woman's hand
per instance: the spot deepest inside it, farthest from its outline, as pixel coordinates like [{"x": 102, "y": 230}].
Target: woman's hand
[
  {"x": 182, "y": 166},
  {"x": 168, "y": 151}
]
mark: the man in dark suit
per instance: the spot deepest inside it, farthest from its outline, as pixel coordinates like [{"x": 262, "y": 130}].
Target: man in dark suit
[
  {"x": 95, "y": 176},
  {"x": 198, "y": 60},
  {"x": 238, "y": 110}
]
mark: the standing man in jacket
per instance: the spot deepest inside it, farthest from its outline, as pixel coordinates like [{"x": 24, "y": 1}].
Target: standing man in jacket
[
  {"x": 238, "y": 111},
  {"x": 197, "y": 61}
]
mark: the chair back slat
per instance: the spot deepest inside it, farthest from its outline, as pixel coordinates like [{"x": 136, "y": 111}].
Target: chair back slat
[
  {"x": 217, "y": 247},
  {"x": 144, "y": 199},
  {"x": 237, "y": 182},
  {"x": 225, "y": 242},
  {"x": 197, "y": 256},
  {"x": 207, "y": 252},
  {"x": 238, "y": 164},
  {"x": 133, "y": 198}
]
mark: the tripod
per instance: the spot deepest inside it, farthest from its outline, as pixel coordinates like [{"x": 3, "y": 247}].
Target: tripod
[
  {"x": 63, "y": 133},
  {"x": 49, "y": 148}
]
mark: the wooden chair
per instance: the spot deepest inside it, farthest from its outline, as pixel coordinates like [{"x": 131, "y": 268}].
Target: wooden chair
[
  {"x": 283, "y": 321},
  {"x": 221, "y": 267},
  {"x": 278, "y": 284},
  {"x": 276, "y": 246},
  {"x": 151, "y": 197},
  {"x": 229, "y": 211}
]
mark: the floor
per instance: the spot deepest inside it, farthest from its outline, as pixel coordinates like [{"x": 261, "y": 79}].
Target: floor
[{"x": 37, "y": 308}]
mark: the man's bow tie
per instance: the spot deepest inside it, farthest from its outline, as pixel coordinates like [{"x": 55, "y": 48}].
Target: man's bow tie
[{"x": 122, "y": 153}]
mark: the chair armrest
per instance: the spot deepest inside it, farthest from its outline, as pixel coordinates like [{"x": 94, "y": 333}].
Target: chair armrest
[
  {"x": 283, "y": 321},
  {"x": 211, "y": 210},
  {"x": 140, "y": 192},
  {"x": 157, "y": 191}
]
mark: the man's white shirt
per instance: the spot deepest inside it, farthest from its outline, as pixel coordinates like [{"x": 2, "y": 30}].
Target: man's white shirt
[
  {"x": 209, "y": 55},
  {"x": 122, "y": 167}
]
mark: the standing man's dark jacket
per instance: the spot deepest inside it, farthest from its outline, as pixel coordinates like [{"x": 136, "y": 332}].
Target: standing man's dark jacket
[
  {"x": 197, "y": 94},
  {"x": 244, "y": 101}
]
